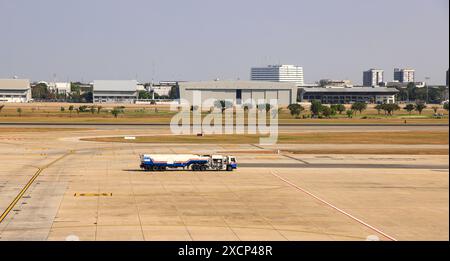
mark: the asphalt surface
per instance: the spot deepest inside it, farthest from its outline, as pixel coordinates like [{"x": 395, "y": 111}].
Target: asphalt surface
[
  {"x": 337, "y": 166},
  {"x": 167, "y": 124}
]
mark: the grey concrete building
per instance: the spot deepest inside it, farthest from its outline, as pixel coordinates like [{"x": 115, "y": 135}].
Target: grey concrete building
[
  {"x": 404, "y": 75},
  {"x": 115, "y": 91},
  {"x": 349, "y": 95},
  {"x": 240, "y": 91},
  {"x": 373, "y": 77},
  {"x": 15, "y": 90}
]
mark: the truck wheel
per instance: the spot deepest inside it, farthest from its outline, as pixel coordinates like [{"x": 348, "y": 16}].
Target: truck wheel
[
  {"x": 194, "y": 167},
  {"x": 229, "y": 168},
  {"x": 203, "y": 168}
]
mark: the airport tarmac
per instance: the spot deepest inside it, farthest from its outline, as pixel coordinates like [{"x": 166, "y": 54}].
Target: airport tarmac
[{"x": 55, "y": 187}]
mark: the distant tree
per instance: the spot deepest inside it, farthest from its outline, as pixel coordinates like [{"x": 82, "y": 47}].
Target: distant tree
[
  {"x": 435, "y": 109},
  {"x": 223, "y": 104},
  {"x": 390, "y": 108},
  {"x": 62, "y": 109},
  {"x": 316, "y": 107},
  {"x": 87, "y": 97},
  {"x": 19, "y": 111},
  {"x": 349, "y": 113},
  {"x": 295, "y": 109},
  {"x": 144, "y": 95},
  {"x": 71, "y": 109},
  {"x": 409, "y": 108},
  {"x": 359, "y": 106},
  {"x": 333, "y": 111},
  {"x": 420, "y": 106},
  {"x": 340, "y": 108},
  {"x": 116, "y": 111},
  {"x": 327, "y": 111},
  {"x": 402, "y": 94},
  {"x": 445, "y": 106},
  {"x": 82, "y": 108},
  {"x": 75, "y": 87},
  {"x": 92, "y": 109},
  {"x": 393, "y": 107},
  {"x": 99, "y": 108},
  {"x": 40, "y": 91},
  {"x": 174, "y": 92},
  {"x": 379, "y": 108}
]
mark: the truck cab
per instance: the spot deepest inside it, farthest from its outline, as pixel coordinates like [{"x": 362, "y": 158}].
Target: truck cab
[{"x": 231, "y": 162}]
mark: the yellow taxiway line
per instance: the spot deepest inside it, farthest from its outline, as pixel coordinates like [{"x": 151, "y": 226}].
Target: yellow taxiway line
[{"x": 24, "y": 189}]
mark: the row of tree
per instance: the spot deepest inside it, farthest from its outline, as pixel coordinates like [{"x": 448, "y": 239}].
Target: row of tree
[
  {"x": 318, "y": 109},
  {"x": 428, "y": 94},
  {"x": 42, "y": 92}
]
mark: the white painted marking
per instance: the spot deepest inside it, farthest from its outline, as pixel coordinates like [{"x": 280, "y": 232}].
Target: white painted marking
[
  {"x": 372, "y": 238},
  {"x": 334, "y": 207},
  {"x": 72, "y": 238}
]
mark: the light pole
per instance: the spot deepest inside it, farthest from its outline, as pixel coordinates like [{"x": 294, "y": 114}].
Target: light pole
[{"x": 426, "y": 85}]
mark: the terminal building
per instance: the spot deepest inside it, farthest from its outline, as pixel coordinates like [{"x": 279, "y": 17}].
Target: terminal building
[
  {"x": 115, "y": 91},
  {"x": 240, "y": 92},
  {"x": 349, "y": 95},
  {"x": 15, "y": 90}
]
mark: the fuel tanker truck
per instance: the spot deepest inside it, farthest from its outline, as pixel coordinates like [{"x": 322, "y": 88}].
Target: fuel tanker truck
[{"x": 161, "y": 162}]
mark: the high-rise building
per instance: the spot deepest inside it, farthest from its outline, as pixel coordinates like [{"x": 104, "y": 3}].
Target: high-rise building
[
  {"x": 446, "y": 79},
  {"x": 278, "y": 73},
  {"x": 404, "y": 75},
  {"x": 373, "y": 77}
]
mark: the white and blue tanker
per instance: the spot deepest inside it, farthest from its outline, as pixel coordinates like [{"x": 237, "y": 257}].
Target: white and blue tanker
[{"x": 161, "y": 162}]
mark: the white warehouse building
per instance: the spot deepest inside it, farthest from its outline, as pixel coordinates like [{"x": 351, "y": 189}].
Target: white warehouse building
[
  {"x": 240, "y": 92},
  {"x": 107, "y": 91},
  {"x": 15, "y": 90}
]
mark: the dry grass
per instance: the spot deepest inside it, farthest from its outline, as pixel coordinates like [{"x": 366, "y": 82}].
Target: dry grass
[
  {"x": 50, "y": 113},
  {"x": 409, "y": 137}
]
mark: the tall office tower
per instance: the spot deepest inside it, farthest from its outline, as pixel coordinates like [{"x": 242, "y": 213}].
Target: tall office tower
[
  {"x": 278, "y": 73},
  {"x": 404, "y": 75},
  {"x": 372, "y": 77},
  {"x": 446, "y": 79}
]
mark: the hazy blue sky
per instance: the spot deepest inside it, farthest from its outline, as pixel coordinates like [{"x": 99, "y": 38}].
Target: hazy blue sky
[{"x": 205, "y": 39}]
